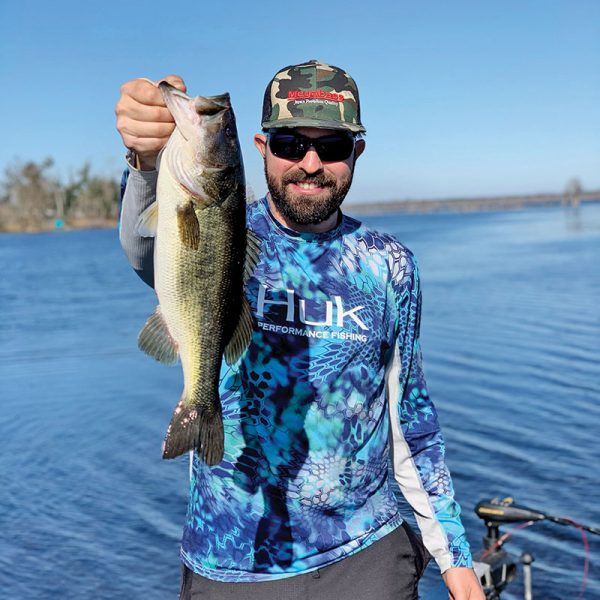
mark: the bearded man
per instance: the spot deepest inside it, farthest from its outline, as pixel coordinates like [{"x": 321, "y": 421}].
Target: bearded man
[{"x": 328, "y": 411}]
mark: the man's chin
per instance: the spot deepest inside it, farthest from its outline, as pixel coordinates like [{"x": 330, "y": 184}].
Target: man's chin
[
  {"x": 306, "y": 207},
  {"x": 306, "y": 210},
  {"x": 323, "y": 197}
]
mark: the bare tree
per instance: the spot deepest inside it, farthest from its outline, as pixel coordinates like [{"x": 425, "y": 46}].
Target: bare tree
[
  {"x": 573, "y": 191},
  {"x": 30, "y": 192},
  {"x": 32, "y": 198}
]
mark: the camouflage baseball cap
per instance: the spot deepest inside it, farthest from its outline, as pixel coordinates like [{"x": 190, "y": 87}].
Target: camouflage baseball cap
[{"x": 312, "y": 94}]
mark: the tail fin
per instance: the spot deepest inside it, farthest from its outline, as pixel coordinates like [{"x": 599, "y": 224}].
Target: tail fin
[{"x": 190, "y": 428}]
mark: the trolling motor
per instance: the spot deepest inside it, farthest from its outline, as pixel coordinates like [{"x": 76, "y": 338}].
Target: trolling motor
[{"x": 493, "y": 565}]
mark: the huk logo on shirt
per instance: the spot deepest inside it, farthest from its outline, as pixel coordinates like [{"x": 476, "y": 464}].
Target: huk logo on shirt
[{"x": 324, "y": 314}]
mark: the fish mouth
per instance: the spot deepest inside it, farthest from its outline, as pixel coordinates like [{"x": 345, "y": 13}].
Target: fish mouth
[
  {"x": 205, "y": 105},
  {"x": 211, "y": 105}
]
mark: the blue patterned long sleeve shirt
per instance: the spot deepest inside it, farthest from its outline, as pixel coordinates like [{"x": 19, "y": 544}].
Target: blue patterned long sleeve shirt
[
  {"x": 330, "y": 390},
  {"x": 329, "y": 395}
]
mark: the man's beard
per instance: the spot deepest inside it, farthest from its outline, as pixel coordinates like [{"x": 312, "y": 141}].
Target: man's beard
[{"x": 306, "y": 209}]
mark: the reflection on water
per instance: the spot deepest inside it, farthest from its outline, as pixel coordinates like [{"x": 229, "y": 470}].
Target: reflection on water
[
  {"x": 511, "y": 337},
  {"x": 578, "y": 219}
]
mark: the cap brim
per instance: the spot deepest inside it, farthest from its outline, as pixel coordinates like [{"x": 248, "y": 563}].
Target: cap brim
[{"x": 318, "y": 123}]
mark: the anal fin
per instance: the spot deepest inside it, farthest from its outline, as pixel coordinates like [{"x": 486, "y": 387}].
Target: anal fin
[{"x": 155, "y": 340}]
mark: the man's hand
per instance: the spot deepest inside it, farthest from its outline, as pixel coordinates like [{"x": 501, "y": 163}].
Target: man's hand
[
  {"x": 143, "y": 120},
  {"x": 462, "y": 584}
]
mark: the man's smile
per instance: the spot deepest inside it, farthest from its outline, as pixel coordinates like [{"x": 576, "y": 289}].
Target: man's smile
[{"x": 306, "y": 187}]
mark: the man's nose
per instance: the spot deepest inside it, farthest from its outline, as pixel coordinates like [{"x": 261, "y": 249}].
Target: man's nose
[{"x": 311, "y": 163}]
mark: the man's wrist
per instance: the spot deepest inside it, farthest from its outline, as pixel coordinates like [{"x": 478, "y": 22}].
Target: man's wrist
[
  {"x": 138, "y": 163},
  {"x": 463, "y": 584}
]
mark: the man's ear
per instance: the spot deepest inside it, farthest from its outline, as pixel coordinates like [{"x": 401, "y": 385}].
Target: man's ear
[
  {"x": 260, "y": 141},
  {"x": 359, "y": 148}
]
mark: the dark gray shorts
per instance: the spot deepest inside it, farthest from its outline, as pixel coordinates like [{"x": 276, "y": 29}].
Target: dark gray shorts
[{"x": 389, "y": 569}]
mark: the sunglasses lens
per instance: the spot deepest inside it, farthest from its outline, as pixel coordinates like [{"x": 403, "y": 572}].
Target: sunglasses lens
[
  {"x": 286, "y": 145},
  {"x": 293, "y": 146},
  {"x": 334, "y": 147}
]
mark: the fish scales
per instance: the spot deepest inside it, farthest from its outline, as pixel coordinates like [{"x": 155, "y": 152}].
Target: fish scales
[{"x": 200, "y": 250}]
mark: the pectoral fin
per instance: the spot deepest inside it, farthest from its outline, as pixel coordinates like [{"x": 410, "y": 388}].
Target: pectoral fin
[
  {"x": 189, "y": 228},
  {"x": 147, "y": 222},
  {"x": 155, "y": 339}
]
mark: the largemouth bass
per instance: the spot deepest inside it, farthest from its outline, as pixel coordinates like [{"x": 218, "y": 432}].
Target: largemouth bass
[{"x": 200, "y": 264}]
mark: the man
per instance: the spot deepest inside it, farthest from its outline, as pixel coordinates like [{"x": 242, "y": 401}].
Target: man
[{"x": 331, "y": 390}]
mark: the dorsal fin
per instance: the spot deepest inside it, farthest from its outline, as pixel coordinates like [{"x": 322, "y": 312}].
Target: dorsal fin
[
  {"x": 253, "y": 244},
  {"x": 243, "y": 333},
  {"x": 240, "y": 339}
]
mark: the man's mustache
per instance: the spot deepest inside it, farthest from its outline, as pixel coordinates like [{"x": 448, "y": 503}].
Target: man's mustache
[{"x": 299, "y": 176}]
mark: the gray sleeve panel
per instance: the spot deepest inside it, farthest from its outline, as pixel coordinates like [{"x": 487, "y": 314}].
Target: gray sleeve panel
[
  {"x": 407, "y": 475},
  {"x": 140, "y": 192}
]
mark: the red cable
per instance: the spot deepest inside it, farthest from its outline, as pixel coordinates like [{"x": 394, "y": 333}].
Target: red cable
[
  {"x": 586, "y": 561},
  {"x": 504, "y": 537},
  {"x": 586, "y": 546}
]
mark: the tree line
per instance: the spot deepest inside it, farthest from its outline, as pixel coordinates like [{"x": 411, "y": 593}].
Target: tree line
[{"x": 34, "y": 198}]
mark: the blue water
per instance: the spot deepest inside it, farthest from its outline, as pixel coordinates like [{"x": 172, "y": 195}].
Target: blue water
[{"x": 511, "y": 338}]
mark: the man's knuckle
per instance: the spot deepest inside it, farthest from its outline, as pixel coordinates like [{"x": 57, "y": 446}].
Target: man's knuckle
[
  {"x": 156, "y": 114},
  {"x": 128, "y": 140}
]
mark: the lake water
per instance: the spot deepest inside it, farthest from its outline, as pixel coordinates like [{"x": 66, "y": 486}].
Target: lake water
[{"x": 511, "y": 339}]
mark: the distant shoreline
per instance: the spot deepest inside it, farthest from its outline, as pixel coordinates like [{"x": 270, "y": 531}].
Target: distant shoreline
[
  {"x": 451, "y": 205},
  {"x": 75, "y": 225},
  {"x": 483, "y": 204}
]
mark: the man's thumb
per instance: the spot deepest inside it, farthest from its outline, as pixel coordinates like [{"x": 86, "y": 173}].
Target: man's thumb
[{"x": 175, "y": 81}]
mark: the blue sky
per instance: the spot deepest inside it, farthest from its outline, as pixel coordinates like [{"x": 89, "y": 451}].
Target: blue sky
[{"x": 459, "y": 98}]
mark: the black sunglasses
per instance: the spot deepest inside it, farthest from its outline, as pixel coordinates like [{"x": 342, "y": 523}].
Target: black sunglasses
[{"x": 293, "y": 146}]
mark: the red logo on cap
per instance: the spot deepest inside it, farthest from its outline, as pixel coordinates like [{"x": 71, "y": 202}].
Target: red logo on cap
[{"x": 314, "y": 94}]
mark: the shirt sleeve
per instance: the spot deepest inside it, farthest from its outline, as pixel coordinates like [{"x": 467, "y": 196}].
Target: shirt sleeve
[
  {"x": 138, "y": 192},
  {"x": 416, "y": 441}
]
